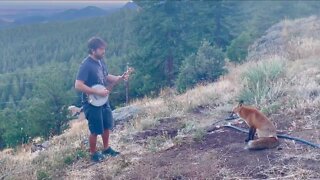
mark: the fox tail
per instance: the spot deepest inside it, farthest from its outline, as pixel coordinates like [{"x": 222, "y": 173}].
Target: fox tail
[{"x": 263, "y": 143}]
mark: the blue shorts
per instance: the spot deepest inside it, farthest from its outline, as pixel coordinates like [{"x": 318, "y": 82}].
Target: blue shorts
[{"x": 99, "y": 118}]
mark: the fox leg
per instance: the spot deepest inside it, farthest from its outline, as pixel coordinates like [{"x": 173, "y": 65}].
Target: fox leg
[
  {"x": 263, "y": 143},
  {"x": 252, "y": 132}
]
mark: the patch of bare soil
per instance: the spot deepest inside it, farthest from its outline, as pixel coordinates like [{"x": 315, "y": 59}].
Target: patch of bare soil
[
  {"x": 221, "y": 154},
  {"x": 166, "y": 126}
]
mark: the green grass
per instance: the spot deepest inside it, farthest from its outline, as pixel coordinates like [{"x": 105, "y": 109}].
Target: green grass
[
  {"x": 42, "y": 175},
  {"x": 272, "y": 108},
  {"x": 261, "y": 82},
  {"x": 154, "y": 144},
  {"x": 78, "y": 154},
  {"x": 198, "y": 134}
]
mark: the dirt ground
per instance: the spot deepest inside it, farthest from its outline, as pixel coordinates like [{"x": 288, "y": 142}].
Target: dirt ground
[{"x": 220, "y": 154}]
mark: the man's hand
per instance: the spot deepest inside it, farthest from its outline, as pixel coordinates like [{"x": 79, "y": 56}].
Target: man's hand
[
  {"x": 116, "y": 79},
  {"x": 80, "y": 86},
  {"x": 102, "y": 92},
  {"x": 125, "y": 77}
]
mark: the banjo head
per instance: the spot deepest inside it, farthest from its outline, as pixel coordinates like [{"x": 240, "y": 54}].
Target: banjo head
[{"x": 97, "y": 100}]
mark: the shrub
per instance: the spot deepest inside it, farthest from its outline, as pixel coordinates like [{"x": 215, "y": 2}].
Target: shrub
[{"x": 261, "y": 82}]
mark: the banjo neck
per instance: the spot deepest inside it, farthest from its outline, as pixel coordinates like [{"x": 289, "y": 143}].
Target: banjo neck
[{"x": 128, "y": 72}]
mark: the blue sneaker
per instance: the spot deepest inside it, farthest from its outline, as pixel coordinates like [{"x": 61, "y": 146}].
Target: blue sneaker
[
  {"x": 110, "y": 152},
  {"x": 97, "y": 157}
]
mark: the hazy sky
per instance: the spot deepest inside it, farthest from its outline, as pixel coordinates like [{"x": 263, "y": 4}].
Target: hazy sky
[{"x": 35, "y": 4}]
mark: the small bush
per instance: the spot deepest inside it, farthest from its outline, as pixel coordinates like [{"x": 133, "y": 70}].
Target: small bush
[
  {"x": 42, "y": 175},
  {"x": 261, "y": 83},
  {"x": 68, "y": 159},
  {"x": 272, "y": 108},
  {"x": 238, "y": 49},
  {"x": 199, "y": 134},
  {"x": 154, "y": 144},
  {"x": 78, "y": 154}
]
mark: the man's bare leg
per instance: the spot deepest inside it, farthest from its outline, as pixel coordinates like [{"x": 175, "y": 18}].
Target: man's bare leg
[
  {"x": 105, "y": 138},
  {"x": 107, "y": 149},
  {"x": 93, "y": 143}
]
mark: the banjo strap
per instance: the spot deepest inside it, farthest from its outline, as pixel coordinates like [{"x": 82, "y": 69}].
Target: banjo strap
[{"x": 103, "y": 70}]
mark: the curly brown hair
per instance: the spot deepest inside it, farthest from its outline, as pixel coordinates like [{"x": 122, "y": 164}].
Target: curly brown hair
[{"x": 95, "y": 43}]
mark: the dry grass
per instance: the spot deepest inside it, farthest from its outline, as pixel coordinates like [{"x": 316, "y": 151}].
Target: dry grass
[
  {"x": 290, "y": 39},
  {"x": 302, "y": 38},
  {"x": 24, "y": 165}
]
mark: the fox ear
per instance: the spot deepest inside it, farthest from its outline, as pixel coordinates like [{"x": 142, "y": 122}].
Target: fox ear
[{"x": 240, "y": 103}]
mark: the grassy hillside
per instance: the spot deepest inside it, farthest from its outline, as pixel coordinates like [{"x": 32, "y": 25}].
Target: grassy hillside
[
  {"x": 175, "y": 44},
  {"x": 169, "y": 138}
]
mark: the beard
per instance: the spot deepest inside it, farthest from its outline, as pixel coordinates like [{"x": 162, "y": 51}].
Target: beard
[{"x": 98, "y": 56}]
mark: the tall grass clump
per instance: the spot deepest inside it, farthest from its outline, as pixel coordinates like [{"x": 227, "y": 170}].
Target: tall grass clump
[{"x": 263, "y": 82}]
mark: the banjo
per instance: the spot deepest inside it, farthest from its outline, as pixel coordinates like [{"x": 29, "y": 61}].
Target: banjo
[{"x": 97, "y": 100}]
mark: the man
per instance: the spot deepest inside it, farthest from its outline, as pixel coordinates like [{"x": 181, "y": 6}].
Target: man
[{"x": 93, "y": 71}]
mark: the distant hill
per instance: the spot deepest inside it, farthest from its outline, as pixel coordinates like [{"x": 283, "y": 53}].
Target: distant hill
[
  {"x": 71, "y": 14},
  {"x": 67, "y": 15}
]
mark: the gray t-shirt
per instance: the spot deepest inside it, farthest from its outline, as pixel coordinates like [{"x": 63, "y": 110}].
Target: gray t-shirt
[{"x": 92, "y": 72}]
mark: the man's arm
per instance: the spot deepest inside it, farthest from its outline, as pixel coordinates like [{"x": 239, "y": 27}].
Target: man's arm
[
  {"x": 80, "y": 86},
  {"x": 114, "y": 79}
]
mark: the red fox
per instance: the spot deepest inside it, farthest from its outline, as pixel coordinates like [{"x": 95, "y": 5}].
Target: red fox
[{"x": 257, "y": 122}]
